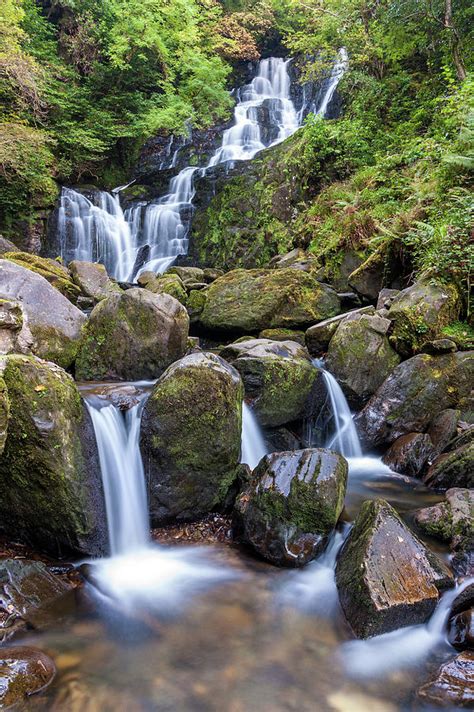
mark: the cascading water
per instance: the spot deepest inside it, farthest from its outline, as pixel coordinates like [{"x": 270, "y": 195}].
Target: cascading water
[
  {"x": 253, "y": 444},
  {"x": 264, "y": 115}
]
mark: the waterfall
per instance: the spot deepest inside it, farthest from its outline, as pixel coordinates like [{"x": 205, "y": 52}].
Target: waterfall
[
  {"x": 264, "y": 116},
  {"x": 253, "y": 444}
]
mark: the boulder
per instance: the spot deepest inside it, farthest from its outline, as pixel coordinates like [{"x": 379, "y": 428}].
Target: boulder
[
  {"x": 15, "y": 335},
  {"x": 318, "y": 336},
  {"x": 50, "y": 484},
  {"x": 452, "y": 469},
  {"x": 461, "y": 630},
  {"x": 278, "y": 377},
  {"x": 248, "y": 301},
  {"x": 452, "y": 686},
  {"x": 187, "y": 274},
  {"x": 386, "y": 297},
  {"x": 360, "y": 356},
  {"x": 168, "y": 284},
  {"x": 191, "y": 435},
  {"x": 92, "y": 279},
  {"x": 283, "y": 335},
  {"x": 292, "y": 503},
  {"x": 6, "y": 245},
  {"x": 55, "y": 323},
  {"x": 386, "y": 577},
  {"x": 195, "y": 304},
  {"x": 4, "y": 413},
  {"x": 132, "y": 335},
  {"x": 409, "y": 453},
  {"x": 54, "y": 272},
  {"x": 25, "y": 671},
  {"x": 367, "y": 279},
  {"x": 145, "y": 277},
  {"x": 420, "y": 312},
  {"x": 443, "y": 428},
  {"x": 414, "y": 393},
  {"x": 295, "y": 259},
  {"x": 211, "y": 274},
  {"x": 438, "y": 346}
]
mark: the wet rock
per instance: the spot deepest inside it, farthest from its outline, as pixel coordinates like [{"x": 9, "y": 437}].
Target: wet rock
[
  {"x": 122, "y": 397},
  {"x": 443, "y": 428},
  {"x": 248, "y": 301},
  {"x": 50, "y": 484},
  {"x": 463, "y": 601},
  {"x": 292, "y": 503},
  {"x": 281, "y": 439},
  {"x": 132, "y": 335},
  {"x": 54, "y": 272},
  {"x": 386, "y": 297},
  {"x": 24, "y": 671},
  {"x": 278, "y": 376},
  {"x": 283, "y": 335},
  {"x": 168, "y": 284},
  {"x": 367, "y": 279},
  {"x": 92, "y": 279},
  {"x": 409, "y": 453},
  {"x": 319, "y": 335},
  {"x": 452, "y": 685},
  {"x": 452, "y": 469},
  {"x": 77, "y": 694},
  {"x": 55, "y": 323},
  {"x": 386, "y": 577},
  {"x": 414, "y": 393},
  {"x": 420, "y": 312},
  {"x": 360, "y": 356},
  {"x": 191, "y": 432},
  {"x": 439, "y": 346},
  {"x": 461, "y": 630},
  {"x": 143, "y": 255}
]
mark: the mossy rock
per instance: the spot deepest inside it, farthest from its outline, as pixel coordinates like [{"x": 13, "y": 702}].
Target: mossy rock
[
  {"x": 283, "y": 335},
  {"x": 191, "y": 437},
  {"x": 4, "y": 413},
  {"x": 452, "y": 469},
  {"x": 246, "y": 301},
  {"x": 168, "y": 284},
  {"x": 92, "y": 279},
  {"x": 53, "y": 271},
  {"x": 292, "y": 503},
  {"x": 50, "y": 485},
  {"x": 368, "y": 278}
]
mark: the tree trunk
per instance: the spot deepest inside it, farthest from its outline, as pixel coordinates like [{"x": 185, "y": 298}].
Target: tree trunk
[{"x": 455, "y": 40}]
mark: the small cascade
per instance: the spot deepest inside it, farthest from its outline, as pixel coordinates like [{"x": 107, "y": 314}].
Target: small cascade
[
  {"x": 253, "y": 444},
  {"x": 335, "y": 77}
]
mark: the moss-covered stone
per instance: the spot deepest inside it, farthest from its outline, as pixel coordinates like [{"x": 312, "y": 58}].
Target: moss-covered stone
[
  {"x": 50, "y": 487},
  {"x": 368, "y": 278},
  {"x": 191, "y": 434},
  {"x": 452, "y": 469},
  {"x": 135, "y": 334},
  {"x": 4, "y": 413},
  {"x": 195, "y": 304},
  {"x": 53, "y": 271},
  {"x": 318, "y": 336},
  {"x": 246, "y": 301},
  {"x": 292, "y": 503},
  {"x": 168, "y": 284},
  {"x": 283, "y": 335},
  {"x": 92, "y": 279}
]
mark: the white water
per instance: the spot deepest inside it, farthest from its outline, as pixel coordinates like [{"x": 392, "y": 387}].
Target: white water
[
  {"x": 104, "y": 233},
  {"x": 253, "y": 444}
]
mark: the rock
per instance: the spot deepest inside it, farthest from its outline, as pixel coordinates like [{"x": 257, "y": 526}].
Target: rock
[
  {"x": 15, "y": 335},
  {"x": 123, "y": 397},
  {"x": 319, "y": 335},
  {"x": 187, "y": 274},
  {"x": 420, "y": 312},
  {"x": 386, "y": 577},
  {"x": 452, "y": 469},
  {"x": 55, "y": 323},
  {"x": 292, "y": 503},
  {"x": 409, "y": 453},
  {"x": 443, "y": 428},
  {"x": 132, "y": 335},
  {"x": 386, "y": 297},
  {"x": 54, "y": 272},
  {"x": 461, "y": 630},
  {"x": 168, "y": 284},
  {"x": 6, "y": 245},
  {"x": 211, "y": 274},
  {"x": 25, "y": 671},
  {"x": 296, "y": 259},
  {"x": 278, "y": 376},
  {"x": 50, "y": 484},
  {"x": 143, "y": 255},
  {"x": 367, "y": 279},
  {"x": 464, "y": 600},
  {"x": 283, "y": 335},
  {"x": 439, "y": 346},
  {"x": 144, "y": 278},
  {"x": 349, "y": 300},
  {"x": 360, "y": 356},
  {"x": 248, "y": 301},
  {"x": 191, "y": 434},
  {"x": 195, "y": 304},
  {"x": 281, "y": 439},
  {"x": 413, "y": 394},
  {"x": 92, "y": 279},
  {"x": 4, "y": 413},
  {"x": 453, "y": 683}
]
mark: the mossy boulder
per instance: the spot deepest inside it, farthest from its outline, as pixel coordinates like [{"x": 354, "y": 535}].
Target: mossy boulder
[
  {"x": 318, "y": 336},
  {"x": 195, "y": 304},
  {"x": 451, "y": 521},
  {"x": 360, "y": 356},
  {"x": 191, "y": 437},
  {"x": 413, "y": 394},
  {"x": 247, "y": 301},
  {"x": 386, "y": 577},
  {"x": 25, "y": 672},
  {"x": 452, "y": 469},
  {"x": 92, "y": 279},
  {"x": 283, "y": 335},
  {"x": 420, "y": 312},
  {"x": 55, "y": 323},
  {"x": 4, "y": 413},
  {"x": 187, "y": 274},
  {"x": 168, "y": 284},
  {"x": 409, "y": 453},
  {"x": 278, "y": 377},
  {"x": 368, "y": 278},
  {"x": 54, "y": 272},
  {"x": 132, "y": 335},
  {"x": 292, "y": 503},
  {"x": 50, "y": 485}
]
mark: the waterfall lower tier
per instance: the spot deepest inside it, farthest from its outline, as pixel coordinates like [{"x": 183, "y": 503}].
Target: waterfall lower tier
[{"x": 253, "y": 444}]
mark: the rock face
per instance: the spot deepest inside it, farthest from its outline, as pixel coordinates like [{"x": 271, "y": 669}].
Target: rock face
[
  {"x": 247, "y": 301},
  {"x": 386, "y": 577},
  {"x": 191, "y": 433},
  {"x": 319, "y": 335},
  {"x": 409, "y": 453},
  {"x": 360, "y": 356},
  {"x": 414, "y": 393},
  {"x": 132, "y": 335},
  {"x": 278, "y": 376},
  {"x": 55, "y": 323},
  {"x": 50, "y": 485},
  {"x": 420, "y": 312},
  {"x": 25, "y": 671},
  {"x": 453, "y": 684},
  {"x": 92, "y": 279},
  {"x": 292, "y": 503}
]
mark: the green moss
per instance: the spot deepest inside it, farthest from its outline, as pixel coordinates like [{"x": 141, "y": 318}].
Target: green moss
[{"x": 461, "y": 333}]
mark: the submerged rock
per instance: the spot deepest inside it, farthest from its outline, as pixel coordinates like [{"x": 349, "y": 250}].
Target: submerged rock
[
  {"x": 132, "y": 335},
  {"x": 453, "y": 683},
  {"x": 386, "y": 577},
  {"x": 278, "y": 376},
  {"x": 24, "y": 671},
  {"x": 291, "y": 504},
  {"x": 55, "y": 323},
  {"x": 191, "y": 434},
  {"x": 92, "y": 279},
  {"x": 248, "y": 301},
  {"x": 409, "y": 453}
]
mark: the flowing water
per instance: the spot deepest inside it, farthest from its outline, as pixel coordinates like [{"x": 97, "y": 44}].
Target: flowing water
[{"x": 253, "y": 443}]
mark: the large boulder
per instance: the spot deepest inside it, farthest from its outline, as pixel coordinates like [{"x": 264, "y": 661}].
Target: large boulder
[
  {"x": 368, "y": 278},
  {"x": 92, "y": 279},
  {"x": 409, "y": 453},
  {"x": 191, "y": 435},
  {"x": 132, "y": 335},
  {"x": 452, "y": 469},
  {"x": 247, "y": 301},
  {"x": 54, "y": 272},
  {"x": 386, "y": 577},
  {"x": 420, "y": 312},
  {"x": 360, "y": 356},
  {"x": 452, "y": 686},
  {"x": 278, "y": 376},
  {"x": 55, "y": 323},
  {"x": 319, "y": 335},
  {"x": 168, "y": 284},
  {"x": 291, "y": 504},
  {"x": 50, "y": 484},
  {"x": 413, "y": 394}
]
